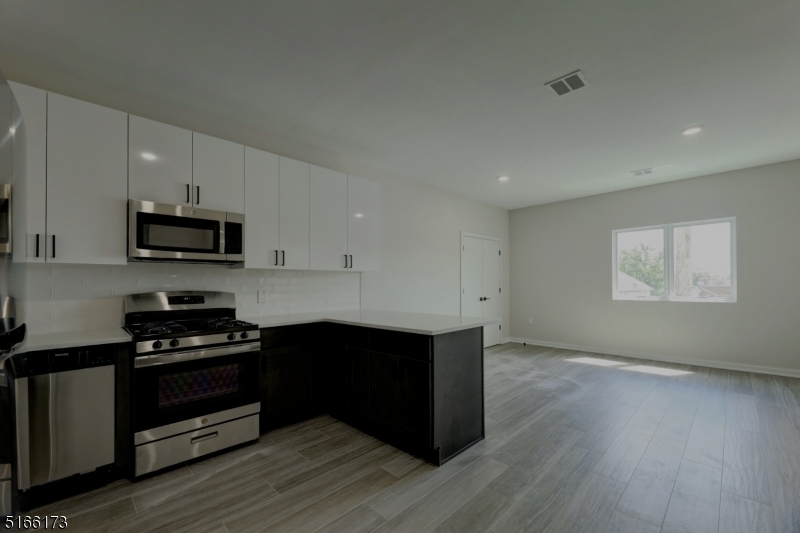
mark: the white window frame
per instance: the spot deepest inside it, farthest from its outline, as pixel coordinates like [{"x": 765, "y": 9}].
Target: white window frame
[{"x": 669, "y": 261}]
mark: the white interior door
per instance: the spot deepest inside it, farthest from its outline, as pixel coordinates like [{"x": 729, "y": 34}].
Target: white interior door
[
  {"x": 471, "y": 277},
  {"x": 491, "y": 290},
  {"x": 480, "y": 283}
]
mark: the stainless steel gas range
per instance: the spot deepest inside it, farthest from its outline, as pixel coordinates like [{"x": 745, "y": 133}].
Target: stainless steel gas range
[{"x": 195, "y": 376}]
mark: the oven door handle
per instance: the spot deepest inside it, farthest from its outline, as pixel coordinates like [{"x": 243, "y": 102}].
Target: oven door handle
[{"x": 181, "y": 357}]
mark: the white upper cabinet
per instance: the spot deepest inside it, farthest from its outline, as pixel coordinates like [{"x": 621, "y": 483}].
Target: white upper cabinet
[
  {"x": 294, "y": 214},
  {"x": 29, "y": 173},
  {"x": 87, "y": 182},
  {"x": 159, "y": 162},
  {"x": 363, "y": 224},
  {"x": 218, "y": 175},
  {"x": 261, "y": 208},
  {"x": 328, "y": 220}
]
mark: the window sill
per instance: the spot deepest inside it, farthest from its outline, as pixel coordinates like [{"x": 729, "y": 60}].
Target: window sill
[{"x": 679, "y": 300}]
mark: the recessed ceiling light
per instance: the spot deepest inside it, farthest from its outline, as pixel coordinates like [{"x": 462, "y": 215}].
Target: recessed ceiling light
[
  {"x": 13, "y": 130},
  {"x": 148, "y": 156},
  {"x": 502, "y": 178},
  {"x": 692, "y": 130},
  {"x": 359, "y": 215}
]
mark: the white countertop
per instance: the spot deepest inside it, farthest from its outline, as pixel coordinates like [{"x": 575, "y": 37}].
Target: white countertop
[
  {"x": 422, "y": 323},
  {"x": 70, "y": 339}
]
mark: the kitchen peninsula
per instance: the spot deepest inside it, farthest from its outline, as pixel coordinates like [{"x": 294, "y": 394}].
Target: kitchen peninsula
[{"x": 412, "y": 380}]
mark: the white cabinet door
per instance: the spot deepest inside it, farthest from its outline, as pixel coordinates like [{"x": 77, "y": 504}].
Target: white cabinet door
[
  {"x": 218, "y": 175},
  {"x": 295, "y": 219},
  {"x": 29, "y": 173},
  {"x": 364, "y": 224},
  {"x": 87, "y": 182},
  {"x": 159, "y": 162},
  {"x": 261, "y": 208},
  {"x": 328, "y": 219}
]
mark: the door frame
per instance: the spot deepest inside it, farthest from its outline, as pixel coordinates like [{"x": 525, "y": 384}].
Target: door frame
[{"x": 461, "y": 266}]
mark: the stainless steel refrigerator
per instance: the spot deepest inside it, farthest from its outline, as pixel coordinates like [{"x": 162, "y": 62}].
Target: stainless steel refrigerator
[{"x": 12, "y": 333}]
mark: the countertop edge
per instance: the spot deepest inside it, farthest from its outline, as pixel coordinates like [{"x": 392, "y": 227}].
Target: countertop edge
[
  {"x": 92, "y": 338},
  {"x": 50, "y": 341}
]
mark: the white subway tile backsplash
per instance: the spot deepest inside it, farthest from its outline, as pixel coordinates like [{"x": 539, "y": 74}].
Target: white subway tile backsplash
[{"x": 60, "y": 298}]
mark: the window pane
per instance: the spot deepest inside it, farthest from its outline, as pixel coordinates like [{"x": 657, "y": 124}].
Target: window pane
[
  {"x": 702, "y": 261},
  {"x": 640, "y": 264}
]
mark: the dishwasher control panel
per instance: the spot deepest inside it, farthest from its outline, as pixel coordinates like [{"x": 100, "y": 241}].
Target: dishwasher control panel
[{"x": 63, "y": 360}]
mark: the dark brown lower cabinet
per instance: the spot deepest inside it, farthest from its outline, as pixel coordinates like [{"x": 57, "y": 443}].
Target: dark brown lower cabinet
[
  {"x": 420, "y": 393},
  {"x": 285, "y": 386},
  {"x": 400, "y": 402}
]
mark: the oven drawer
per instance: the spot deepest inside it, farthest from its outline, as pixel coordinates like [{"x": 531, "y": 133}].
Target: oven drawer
[{"x": 163, "y": 453}]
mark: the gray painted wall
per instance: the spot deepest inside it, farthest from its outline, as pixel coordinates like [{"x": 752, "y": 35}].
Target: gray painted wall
[{"x": 561, "y": 273}]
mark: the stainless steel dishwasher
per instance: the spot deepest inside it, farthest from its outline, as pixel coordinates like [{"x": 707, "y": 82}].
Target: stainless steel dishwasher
[{"x": 64, "y": 413}]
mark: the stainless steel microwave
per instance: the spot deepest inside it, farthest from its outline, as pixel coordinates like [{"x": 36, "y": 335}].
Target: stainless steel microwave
[{"x": 163, "y": 232}]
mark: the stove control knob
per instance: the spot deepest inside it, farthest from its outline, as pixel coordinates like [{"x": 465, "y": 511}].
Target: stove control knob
[
  {"x": 174, "y": 342},
  {"x": 157, "y": 345},
  {"x": 231, "y": 336},
  {"x": 245, "y": 335}
]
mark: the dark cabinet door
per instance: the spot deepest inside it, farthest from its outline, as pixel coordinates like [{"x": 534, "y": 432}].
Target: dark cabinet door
[
  {"x": 400, "y": 408},
  {"x": 358, "y": 393},
  {"x": 384, "y": 395},
  {"x": 339, "y": 380},
  {"x": 415, "y": 407},
  {"x": 285, "y": 386}
]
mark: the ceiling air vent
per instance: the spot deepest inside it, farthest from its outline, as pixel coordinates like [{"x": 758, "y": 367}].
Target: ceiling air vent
[
  {"x": 567, "y": 84},
  {"x": 642, "y": 171}
]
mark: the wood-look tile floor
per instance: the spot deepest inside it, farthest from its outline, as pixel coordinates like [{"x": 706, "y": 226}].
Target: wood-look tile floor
[{"x": 571, "y": 447}]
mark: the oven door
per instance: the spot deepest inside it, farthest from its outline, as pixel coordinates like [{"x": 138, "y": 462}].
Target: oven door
[
  {"x": 163, "y": 231},
  {"x": 178, "y": 386}
]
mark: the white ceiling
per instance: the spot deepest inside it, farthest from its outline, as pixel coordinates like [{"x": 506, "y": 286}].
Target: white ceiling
[{"x": 450, "y": 92}]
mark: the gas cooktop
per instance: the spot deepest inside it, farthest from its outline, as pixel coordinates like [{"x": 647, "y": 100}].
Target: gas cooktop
[
  {"x": 174, "y": 321},
  {"x": 187, "y": 326}
]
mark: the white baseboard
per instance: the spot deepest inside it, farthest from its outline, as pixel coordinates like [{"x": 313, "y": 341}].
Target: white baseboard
[{"x": 696, "y": 362}]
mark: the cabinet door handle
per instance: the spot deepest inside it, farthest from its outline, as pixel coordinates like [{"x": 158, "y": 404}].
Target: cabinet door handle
[
  {"x": 188, "y": 198},
  {"x": 345, "y": 261},
  {"x": 54, "y": 246},
  {"x": 207, "y": 436},
  {"x": 37, "y": 245},
  {"x": 276, "y": 257},
  {"x": 283, "y": 257},
  {"x": 351, "y": 261},
  {"x": 197, "y": 199}
]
